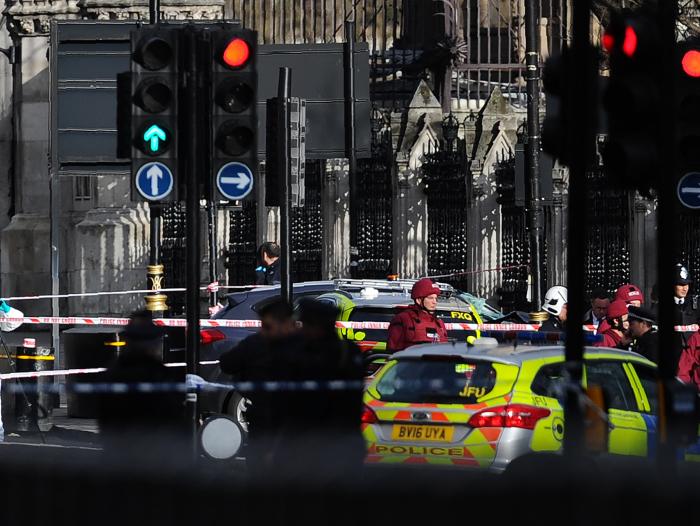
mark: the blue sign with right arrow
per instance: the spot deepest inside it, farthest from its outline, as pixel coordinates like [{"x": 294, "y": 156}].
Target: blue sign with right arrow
[
  {"x": 234, "y": 181},
  {"x": 689, "y": 190}
]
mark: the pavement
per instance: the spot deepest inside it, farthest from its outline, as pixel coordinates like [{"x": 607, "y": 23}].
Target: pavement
[{"x": 58, "y": 430}]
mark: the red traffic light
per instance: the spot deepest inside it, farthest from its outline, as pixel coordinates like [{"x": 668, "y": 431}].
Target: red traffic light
[
  {"x": 237, "y": 53},
  {"x": 691, "y": 63},
  {"x": 629, "y": 42}
]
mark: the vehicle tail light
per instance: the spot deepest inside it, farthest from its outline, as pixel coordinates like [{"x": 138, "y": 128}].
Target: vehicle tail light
[
  {"x": 514, "y": 415},
  {"x": 207, "y": 336},
  {"x": 369, "y": 416}
]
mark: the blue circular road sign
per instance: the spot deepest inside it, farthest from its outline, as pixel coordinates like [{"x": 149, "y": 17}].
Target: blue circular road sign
[
  {"x": 689, "y": 190},
  {"x": 234, "y": 180},
  {"x": 154, "y": 181}
]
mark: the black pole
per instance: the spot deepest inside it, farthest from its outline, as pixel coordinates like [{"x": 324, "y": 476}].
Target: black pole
[
  {"x": 155, "y": 301},
  {"x": 667, "y": 215},
  {"x": 350, "y": 150},
  {"x": 581, "y": 82},
  {"x": 285, "y": 177},
  {"x": 213, "y": 231},
  {"x": 154, "y": 11},
  {"x": 190, "y": 153},
  {"x": 532, "y": 149}
]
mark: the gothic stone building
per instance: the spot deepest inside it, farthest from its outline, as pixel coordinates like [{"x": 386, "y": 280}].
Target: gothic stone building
[{"x": 438, "y": 197}]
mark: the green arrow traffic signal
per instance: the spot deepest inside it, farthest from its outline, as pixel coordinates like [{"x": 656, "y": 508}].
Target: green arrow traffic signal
[
  {"x": 154, "y": 136},
  {"x": 154, "y": 139}
]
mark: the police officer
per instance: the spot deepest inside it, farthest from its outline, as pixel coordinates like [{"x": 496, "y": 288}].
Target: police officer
[
  {"x": 641, "y": 328},
  {"x": 556, "y": 303},
  {"x": 685, "y": 313},
  {"x": 418, "y": 323},
  {"x": 268, "y": 273}
]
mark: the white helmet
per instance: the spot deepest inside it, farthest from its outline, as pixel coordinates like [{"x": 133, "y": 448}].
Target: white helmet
[{"x": 555, "y": 299}]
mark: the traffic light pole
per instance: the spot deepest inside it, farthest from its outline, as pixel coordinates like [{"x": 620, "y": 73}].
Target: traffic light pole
[
  {"x": 285, "y": 177},
  {"x": 532, "y": 55},
  {"x": 155, "y": 302},
  {"x": 350, "y": 150},
  {"x": 580, "y": 83},
  {"x": 668, "y": 239},
  {"x": 190, "y": 154}
]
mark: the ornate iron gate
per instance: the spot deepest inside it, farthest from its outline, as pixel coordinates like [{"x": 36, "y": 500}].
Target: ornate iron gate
[
  {"x": 515, "y": 242},
  {"x": 174, "y": 255},
  {"x": 307, "y": 227},
  {"x": 607, "y": 248},
  {"x": 690, "y": 245},
  {"x": 445, "y": 180},
  {"x": 241, "y": 254},
  {"x": 373, "y": 212}
]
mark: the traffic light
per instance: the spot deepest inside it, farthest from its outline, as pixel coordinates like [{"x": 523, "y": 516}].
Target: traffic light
[
  {"x": 688, "y": 107},
  {"x": 154, "y": 102},
  {"x": 633, "y": 101},
  {"x": 233, "y": 111}
]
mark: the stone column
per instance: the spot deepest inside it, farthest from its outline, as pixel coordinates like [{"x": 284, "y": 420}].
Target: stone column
[
  {"x": 410, "y": 229},
  {"x": 335, "y": 212},
  {"x": 643, "y": 245},
  {"x": 25, "y": 241}
]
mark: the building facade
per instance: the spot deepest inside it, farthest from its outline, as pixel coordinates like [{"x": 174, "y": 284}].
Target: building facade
[{"x": 438, "y": 196}]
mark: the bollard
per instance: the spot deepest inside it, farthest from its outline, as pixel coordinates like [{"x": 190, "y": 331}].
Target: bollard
[{"x": 33, "y": 406}]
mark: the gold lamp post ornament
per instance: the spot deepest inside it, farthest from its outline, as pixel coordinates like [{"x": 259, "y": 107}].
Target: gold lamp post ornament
[{"x": 156, "y": 302}]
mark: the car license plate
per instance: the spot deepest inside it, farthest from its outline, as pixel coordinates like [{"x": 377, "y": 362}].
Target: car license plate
[{"x": 425, "y": 433}]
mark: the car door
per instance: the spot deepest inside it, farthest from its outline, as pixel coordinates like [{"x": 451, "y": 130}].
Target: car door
[{"x": 628, "y": 428}]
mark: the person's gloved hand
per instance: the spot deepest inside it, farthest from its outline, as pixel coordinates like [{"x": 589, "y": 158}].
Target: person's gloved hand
[{"x": 4, "y": 307}]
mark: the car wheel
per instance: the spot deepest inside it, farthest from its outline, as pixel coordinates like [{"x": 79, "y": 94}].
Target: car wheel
[{"x": 236, "y": 407}]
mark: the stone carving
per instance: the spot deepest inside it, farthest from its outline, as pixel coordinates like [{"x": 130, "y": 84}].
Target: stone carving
[{"x": 33, "y": 17}]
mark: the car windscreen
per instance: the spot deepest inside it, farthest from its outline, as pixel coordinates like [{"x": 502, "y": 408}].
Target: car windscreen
[{"x": 436, "y": 380}]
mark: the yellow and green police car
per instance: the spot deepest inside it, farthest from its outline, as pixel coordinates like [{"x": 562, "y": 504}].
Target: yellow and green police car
[
  {"x": 370, "y": 303},
  {"x": 485, "y": 405}
]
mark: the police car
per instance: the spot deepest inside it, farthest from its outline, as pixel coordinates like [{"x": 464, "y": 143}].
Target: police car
[
  {"x": 377, "y": 302},
  {"x": 483, "y": 406}
]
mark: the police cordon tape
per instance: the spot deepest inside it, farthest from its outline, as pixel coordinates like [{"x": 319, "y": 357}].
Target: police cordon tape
[
  {"x": 252, "y": 324},
  {"x": 90, "y": 370}
]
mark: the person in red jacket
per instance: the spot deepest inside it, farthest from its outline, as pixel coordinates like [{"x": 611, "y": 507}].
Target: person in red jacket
[
  {"x": 417, "y": 323},
  {"x": 615, "y": 335},
  {"x": 631, "y": 295},
  {"x": 689, "y": 364}
]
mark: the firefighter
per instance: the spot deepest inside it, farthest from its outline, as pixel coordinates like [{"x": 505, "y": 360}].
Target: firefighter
[
  {"x": 418, "y": 323},
  {"x": 615, "y": 335},
  {"x": 556, "y": 303},
  {"x": 686, "y": 313},
  {"x": 632, "y": 296}
]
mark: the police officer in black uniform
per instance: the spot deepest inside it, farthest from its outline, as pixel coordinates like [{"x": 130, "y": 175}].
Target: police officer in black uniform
[
  {"x": 268, "y": 272},
  {"x": 686, "y": 312},
  {"x": 642, "y": 330}
]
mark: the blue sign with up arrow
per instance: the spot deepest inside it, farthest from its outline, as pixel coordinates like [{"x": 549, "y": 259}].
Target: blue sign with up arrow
[
  {"x": 234, "y": 181},
  {"x": 154, "y": 181},
  {"x": 689, "y": 190}
]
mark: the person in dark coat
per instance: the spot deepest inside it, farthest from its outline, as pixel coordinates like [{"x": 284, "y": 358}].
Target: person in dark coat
[
  {"x": 417, "y": 323},
  {"x": 147, "y": 426},
  {"x": 600, "y": 301},
  {"x": 685, "y": 313},
  {"x": 641, "y": 328},
  {"x": 257, "y": 358},
  {"x": 268, "y": 272}
]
